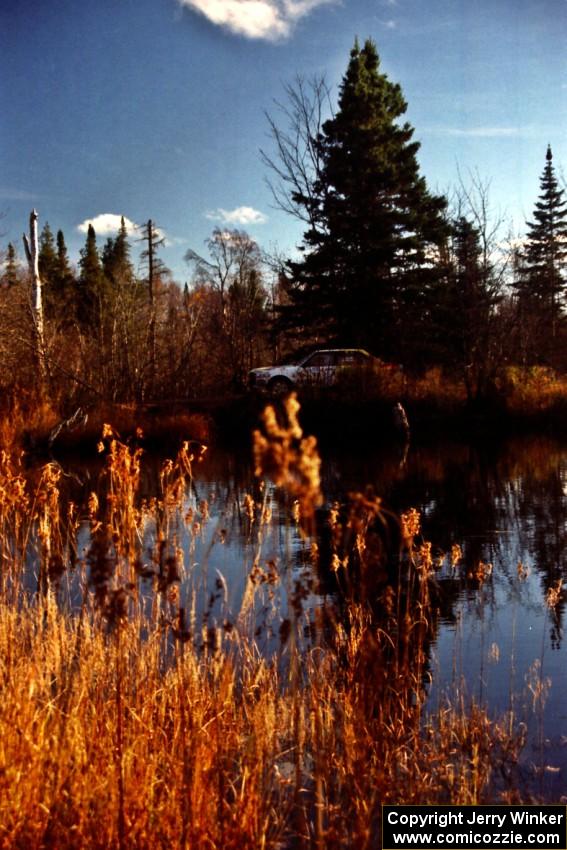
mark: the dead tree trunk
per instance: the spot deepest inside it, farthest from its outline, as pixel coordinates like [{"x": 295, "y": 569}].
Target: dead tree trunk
[
  {"x": 151, "y": 287},
  {"x": 152, "y": 237},
  {"x": 31, "y": 246}
]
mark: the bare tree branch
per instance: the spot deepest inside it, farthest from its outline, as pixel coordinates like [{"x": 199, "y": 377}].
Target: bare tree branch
[{"x": 296, "y": 161}]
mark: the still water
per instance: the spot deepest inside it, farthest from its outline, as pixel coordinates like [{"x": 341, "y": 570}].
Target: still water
[{"x": 498, "y": 640}]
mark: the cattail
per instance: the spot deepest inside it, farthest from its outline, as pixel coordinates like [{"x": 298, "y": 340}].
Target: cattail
[{"x": 289, "y": 459}]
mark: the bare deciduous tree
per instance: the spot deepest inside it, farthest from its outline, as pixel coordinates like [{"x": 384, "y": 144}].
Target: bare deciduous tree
[
  {"x": 480, "y": 263},
  {"x": 236, "y": 310},
  {"x": 296, "y": 161}
]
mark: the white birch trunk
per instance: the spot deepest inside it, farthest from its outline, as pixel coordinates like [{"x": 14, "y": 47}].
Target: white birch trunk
[{"x": 31, "y": 246}]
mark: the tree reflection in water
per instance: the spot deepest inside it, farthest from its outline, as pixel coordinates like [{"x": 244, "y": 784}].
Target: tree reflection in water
[{"x": 503, "y": 503}]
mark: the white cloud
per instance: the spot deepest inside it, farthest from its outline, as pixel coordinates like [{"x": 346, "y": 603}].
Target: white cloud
[
  {"x": 240, "y": 215},
  {"x": 107, "y": 224},
  {"x": 264, "y": 19}
]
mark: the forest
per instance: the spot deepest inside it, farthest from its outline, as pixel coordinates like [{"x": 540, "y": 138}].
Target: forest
[
  {"x": 258, "y": 643},
  {"x": 432, "y": 282}
]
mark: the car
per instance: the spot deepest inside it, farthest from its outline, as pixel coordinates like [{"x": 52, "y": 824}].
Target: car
[{"x": 321, "y": 368}]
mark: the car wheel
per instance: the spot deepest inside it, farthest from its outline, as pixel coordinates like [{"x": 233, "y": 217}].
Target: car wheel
[{"x": 280, "y": 386}]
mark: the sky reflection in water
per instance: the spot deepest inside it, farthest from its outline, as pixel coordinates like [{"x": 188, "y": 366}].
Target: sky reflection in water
[
  {"x": 497, "y": 641},
  {"x": 504, "y": 505}
]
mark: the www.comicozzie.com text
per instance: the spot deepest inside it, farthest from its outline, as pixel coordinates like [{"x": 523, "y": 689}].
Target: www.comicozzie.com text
[{"x": 497, "y": 826}]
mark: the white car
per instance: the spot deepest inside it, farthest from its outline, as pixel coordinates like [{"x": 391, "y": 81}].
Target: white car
[{"x": 320, "y": 369}]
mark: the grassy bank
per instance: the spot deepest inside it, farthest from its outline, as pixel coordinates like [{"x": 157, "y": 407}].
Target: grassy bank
[
  {"x": 520, "y": 401},
  {"x": 40, "y": 428},
  {"x": 127, "y": 721}
]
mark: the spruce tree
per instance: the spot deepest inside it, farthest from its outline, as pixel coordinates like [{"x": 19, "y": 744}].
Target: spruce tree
[
  {"x": 367, "y": 276},
  {"x": 541, "y": 285},
  {"x": 61, "y": 297},
  {"x": 63, "y": 268},
  {"x": 123, "y": 267},
  {"x": 47, "y": 256},
  {"x": 156, "y": 270},
  {"x": 467, "y": 313},
  {"x": 107, "y": 257},
  {"x": 116, "y": 259},
  {"x": 10, "y": 277},
  {"x": 92, "y": 286}
]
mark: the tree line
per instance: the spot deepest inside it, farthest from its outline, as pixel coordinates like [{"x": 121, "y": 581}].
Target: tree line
[
  {"x": 114, "y": 333},
  {"x": 384, "y": 264},
  {"x": 388, "y": 265}
]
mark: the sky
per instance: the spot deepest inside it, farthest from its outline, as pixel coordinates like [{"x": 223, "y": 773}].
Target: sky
[{"x": 157, "y": 108}]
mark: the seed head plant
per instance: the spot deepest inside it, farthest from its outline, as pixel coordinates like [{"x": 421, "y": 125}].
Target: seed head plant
[
  {"x": 292, "y": 461},
  {"x": 154, "y": 725}
]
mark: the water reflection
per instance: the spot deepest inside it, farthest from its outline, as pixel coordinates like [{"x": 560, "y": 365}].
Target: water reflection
[{"x": 497, "y": 632}]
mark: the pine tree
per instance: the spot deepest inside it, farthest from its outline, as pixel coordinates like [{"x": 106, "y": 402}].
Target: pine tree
[
  {"x": 47, "y": 256},
  {"x": 123, "y": 267},
  {"x": 367, "y": 276},
  {"x": 542, "y": 282},
  {"x": 63, "y": 269},
  {"x": 11, "y": 276},
  {"x": 467, "y": 312},
  {"x": 116, "y": 259},
  {"x": 57, "y": 278},
  {"x": 107, "y": 257},
  {"x": 64, "y": 286},
  {"x": 92, "y": 287},
  {"x": 156, "y": 270}
]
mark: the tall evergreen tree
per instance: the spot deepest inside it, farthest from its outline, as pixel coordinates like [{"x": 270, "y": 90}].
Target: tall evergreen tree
[
  {"x": 91, "y": 288},
  {"x": 367, "y": 275},
  {"x": 107, "y": 257},
  {"x": 116, "y": 258},
  {"x": 62, "y": 266},
  {"x": 10, "y": 277},
  {"x": 541, "y": 285},
  {"x": 63, "y": 294},
  {"x": 154, "y": 240},
  {"x": 47, "y": 255},
  {"x": 124, "y": 268},
  {"x": 467, "y": 313}
]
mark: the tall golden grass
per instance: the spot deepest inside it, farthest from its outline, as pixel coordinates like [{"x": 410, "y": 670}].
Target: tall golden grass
[{"x": 128, "y": 726}]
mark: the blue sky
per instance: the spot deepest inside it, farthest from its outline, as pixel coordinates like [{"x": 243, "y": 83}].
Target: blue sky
[{"x": 155, "y": 108}]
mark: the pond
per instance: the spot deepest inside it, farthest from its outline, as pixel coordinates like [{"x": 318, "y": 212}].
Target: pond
[{"x": 498, "y": 638}]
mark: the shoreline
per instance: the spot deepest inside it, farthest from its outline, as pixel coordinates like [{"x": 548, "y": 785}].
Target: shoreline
[{"x": 230, "y": 420}]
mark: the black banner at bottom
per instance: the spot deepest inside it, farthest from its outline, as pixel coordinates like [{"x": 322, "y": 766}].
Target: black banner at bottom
[{"x": 478, "y": 827}]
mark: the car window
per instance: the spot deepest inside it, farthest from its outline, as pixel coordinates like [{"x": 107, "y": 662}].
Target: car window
[
  {"x": 352, "y": 358},
  {"x": 319, "y": 360}
]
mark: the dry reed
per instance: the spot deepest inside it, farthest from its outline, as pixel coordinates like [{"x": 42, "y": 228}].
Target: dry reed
[{"x": 127, "y": 727}]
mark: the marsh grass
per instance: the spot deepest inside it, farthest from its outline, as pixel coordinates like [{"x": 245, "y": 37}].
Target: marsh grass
[{"x": 123, "y": 725}]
